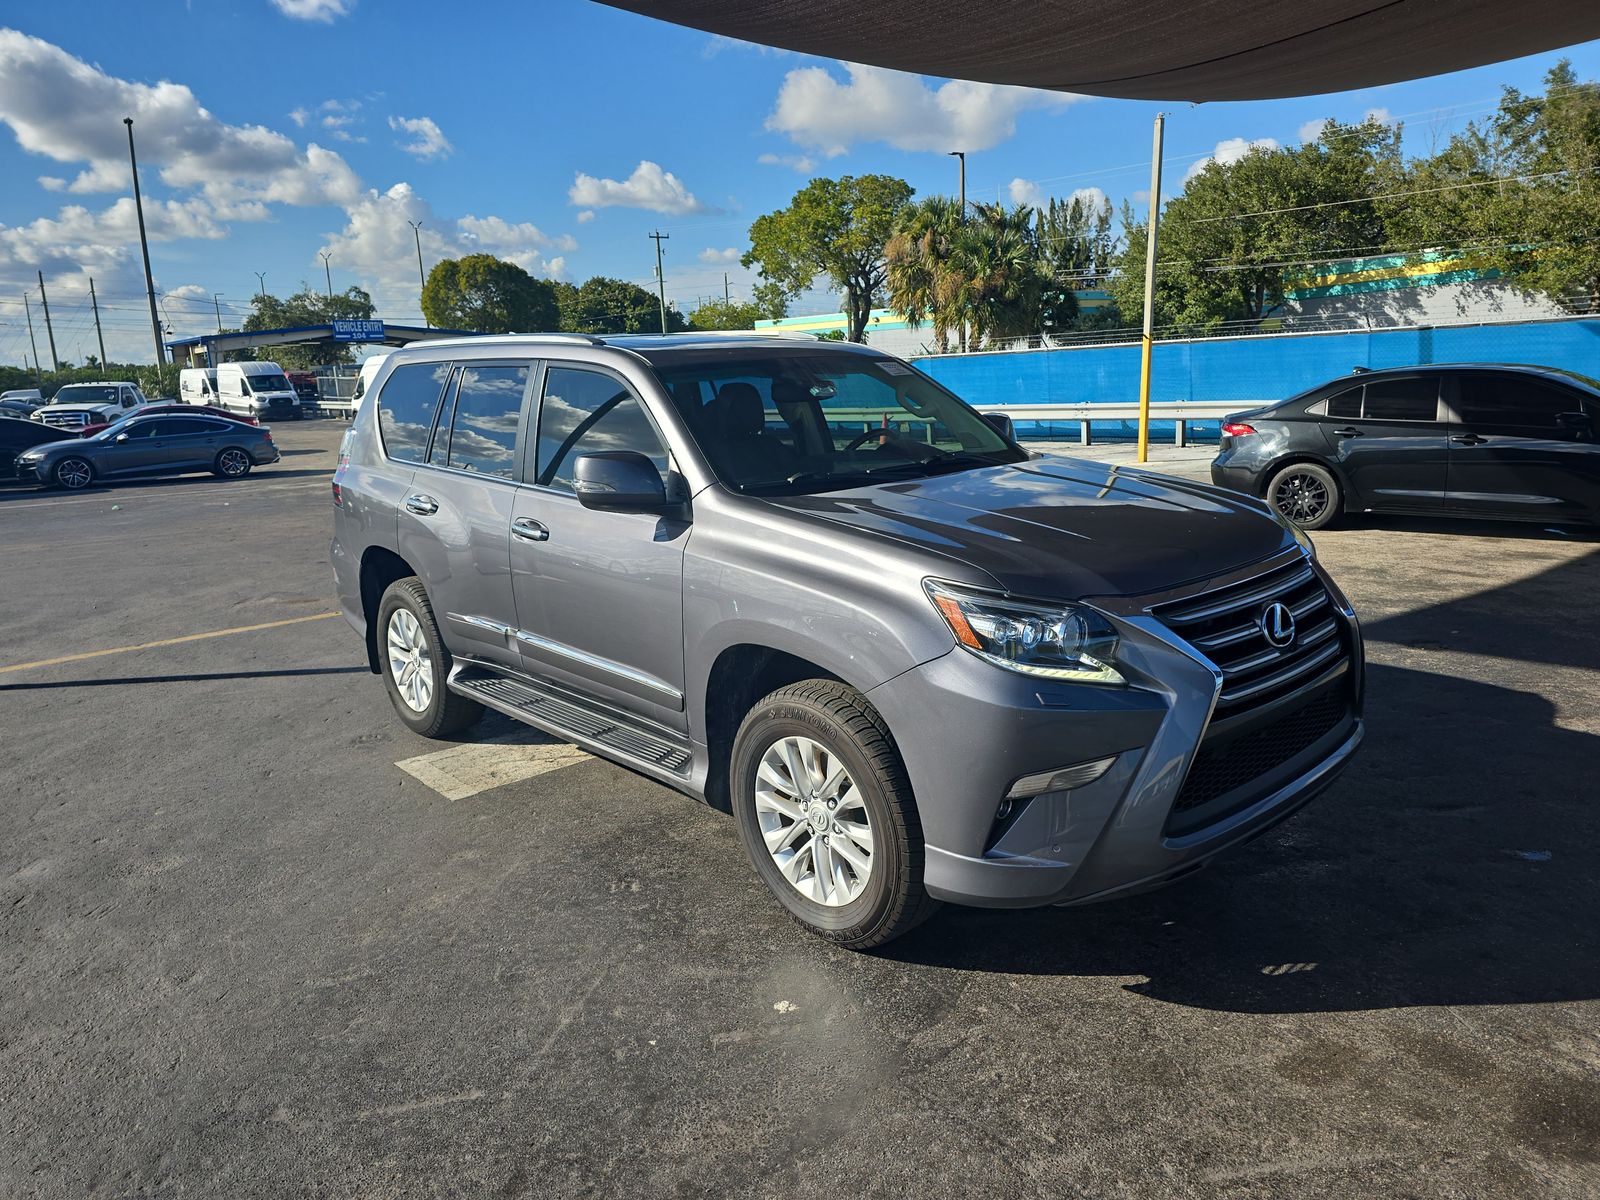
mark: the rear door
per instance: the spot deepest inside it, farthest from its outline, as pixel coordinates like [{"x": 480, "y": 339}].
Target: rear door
[
  {"x": 1394, "y": 454},
  {"x": 455, "y": 519},
  {"x": 599, "y": 594},
  {"x": 1522, "y": 445}
]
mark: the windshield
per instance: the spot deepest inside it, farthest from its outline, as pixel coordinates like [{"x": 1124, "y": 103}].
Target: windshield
[
  {"x": 269, "y": 383},
  {"x": 85, "y": 393},
  {"x": 806, "y": 421}
]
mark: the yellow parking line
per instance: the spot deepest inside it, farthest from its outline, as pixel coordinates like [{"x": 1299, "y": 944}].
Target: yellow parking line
[{"x": 190, "y": 637}]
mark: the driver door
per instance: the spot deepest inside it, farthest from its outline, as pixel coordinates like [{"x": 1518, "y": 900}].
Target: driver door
[{"x": 599, "y": 595}]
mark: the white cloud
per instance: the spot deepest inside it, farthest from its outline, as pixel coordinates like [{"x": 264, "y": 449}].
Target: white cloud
[
  {"x": 819, "y": 112},
  {"x": 718, "y": 257},
  {"x": 1381, "y": 115},
  {"x": 314, "y": 10},
  {"x": 1025, "y": 191},
  {"x": 1312, "y": 130},
  {"x": 189, "y": 291},
  {"x": 649, "y": 187},
  {"x": 1094, "y": 197},
  {"x": 586, "y": 216},
  {"x": 52, "y": 183},
  {"x": 299, "y": 116},
  {"x": 427, "y": 141},
  {"x": 803, "y": 163},
  {"x": 1229, "y": 151}
]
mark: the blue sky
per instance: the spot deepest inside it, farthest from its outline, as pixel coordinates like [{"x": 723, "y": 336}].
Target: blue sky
[{"x": 558, "y": 134}]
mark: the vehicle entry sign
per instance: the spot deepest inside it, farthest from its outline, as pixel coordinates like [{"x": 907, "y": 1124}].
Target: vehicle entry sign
[{"x": 358, "y": 331}]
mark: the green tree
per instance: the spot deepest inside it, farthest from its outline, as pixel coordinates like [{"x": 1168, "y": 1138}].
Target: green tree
[
  {"x": 998, "y": 274},
  {"x": 771, "y": 300},
  {"x": 307, "y": 307},
  {"x": 835, "y": 228},
  {"x": 605, "y": 305},
  {"x": 726, "y": 314},
  {"x": 488, "y": 295},
  {"x": 1077, "y": 247},
  {"x": 919, "y": 260}
]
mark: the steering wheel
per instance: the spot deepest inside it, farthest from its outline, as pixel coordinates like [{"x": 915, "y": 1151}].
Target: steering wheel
[{"x": 892, "y": 435}]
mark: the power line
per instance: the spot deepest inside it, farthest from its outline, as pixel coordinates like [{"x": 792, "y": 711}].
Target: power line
[{"x": 1268, "y": 212}]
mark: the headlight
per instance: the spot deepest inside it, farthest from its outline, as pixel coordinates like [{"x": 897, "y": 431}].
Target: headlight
[
  {"x": 1054, "y": 641},
  {"x": 30, "y": 456}
]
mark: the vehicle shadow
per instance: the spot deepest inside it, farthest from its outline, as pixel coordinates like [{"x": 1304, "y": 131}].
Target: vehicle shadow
[
  {"x": 130, "y": 680},
  {"x": 1457, "y": 862},
  {"x": 1522, "y": 531},
  {"x": 10, "y": 491}
]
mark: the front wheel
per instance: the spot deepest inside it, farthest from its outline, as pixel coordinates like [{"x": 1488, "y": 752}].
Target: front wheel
[
  {"x": 416, "y": 664},
  {"x": 74, "y": 473},
  {"x": 827, "y": 816},
  {"x": 1306, "y": 494}
]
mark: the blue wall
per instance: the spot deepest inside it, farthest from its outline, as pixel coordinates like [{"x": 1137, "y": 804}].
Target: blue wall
[{"x": 1251, "y": 370}]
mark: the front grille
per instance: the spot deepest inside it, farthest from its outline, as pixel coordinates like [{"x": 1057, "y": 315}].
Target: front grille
[
  {"x": 75, "y": 420},
  {"x": 1225, "y": 767},
  {"x": 1225, "y": 626}
]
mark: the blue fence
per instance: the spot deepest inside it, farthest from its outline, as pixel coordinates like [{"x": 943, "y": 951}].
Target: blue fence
[{"x": 1251, "y": 370}]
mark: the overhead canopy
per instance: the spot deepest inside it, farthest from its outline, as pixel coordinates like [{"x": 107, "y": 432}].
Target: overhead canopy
[{"x": 1153, "y": 49}]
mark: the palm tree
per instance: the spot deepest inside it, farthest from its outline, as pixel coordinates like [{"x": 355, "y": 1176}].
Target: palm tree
[
  {"x": 997, "y": 275},
  {"x": 919, "y": 259}
]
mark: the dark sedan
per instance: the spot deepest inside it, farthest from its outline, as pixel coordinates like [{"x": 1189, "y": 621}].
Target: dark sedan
[
  {"x": 18, "y": 434},
  {"x": 151, "y": 445},
  {"x": 1457, "y": 439},
  {"x": 177, "y": 408}
]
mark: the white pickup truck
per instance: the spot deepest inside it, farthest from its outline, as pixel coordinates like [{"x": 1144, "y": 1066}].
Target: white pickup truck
[{"x": 80, "y": 404}]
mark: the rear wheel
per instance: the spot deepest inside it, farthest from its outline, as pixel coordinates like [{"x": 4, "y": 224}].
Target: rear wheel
[
  {"x": 827, "y": 815},
  {"x": 232, "y": 463},
  {"x": 74, "y": 473},
  {"x": 416, "y": 663},
  {"x": 1306, "y": 494}
]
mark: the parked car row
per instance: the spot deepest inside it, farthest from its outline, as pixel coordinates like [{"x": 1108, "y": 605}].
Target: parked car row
[
  {"x": 1452, "y": 439},
  {"x": 167, "y": 439}
]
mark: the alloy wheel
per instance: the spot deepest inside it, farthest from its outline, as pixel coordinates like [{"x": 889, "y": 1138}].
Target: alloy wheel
[
  {"x": 1301, "y": 497},
  {"x": 814, "y": 822},
  {"x": 234, "y": 462},
  {"x": 409, "y": 661},
  {"x": 73, "y": 473}
]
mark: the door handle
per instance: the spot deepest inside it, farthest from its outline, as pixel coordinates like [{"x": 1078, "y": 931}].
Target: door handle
[
  {"x": 1347, "y": 432},
  {"x": 530, "y": 530},
  {"x": 1469, "y": 439},
  {"x": 423, "y": 506}
]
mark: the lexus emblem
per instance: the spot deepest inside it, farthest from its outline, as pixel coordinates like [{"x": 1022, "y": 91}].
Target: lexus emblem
[{"x": 1277, "y": 625}]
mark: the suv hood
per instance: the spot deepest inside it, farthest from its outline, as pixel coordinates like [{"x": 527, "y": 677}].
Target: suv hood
[{"x": 1061, "y": 528}]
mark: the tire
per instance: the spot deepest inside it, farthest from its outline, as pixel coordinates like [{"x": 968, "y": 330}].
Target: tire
[
  {"x": 232, "y": 463},
  {"x": 1306, "y": 494},
  {"x": 864, "y": 912},
  {"x": 441, "y": 712},
  {"x": 73, "y": 474}
]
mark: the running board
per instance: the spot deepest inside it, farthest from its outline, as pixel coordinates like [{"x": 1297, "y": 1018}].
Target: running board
[{"x": 590, "y": 727}]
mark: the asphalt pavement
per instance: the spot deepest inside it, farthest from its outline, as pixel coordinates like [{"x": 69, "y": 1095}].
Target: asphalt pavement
[{"x": 245, "y": 953}]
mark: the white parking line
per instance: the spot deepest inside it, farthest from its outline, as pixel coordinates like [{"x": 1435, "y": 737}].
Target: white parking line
[{"x": 463, "y": 771}]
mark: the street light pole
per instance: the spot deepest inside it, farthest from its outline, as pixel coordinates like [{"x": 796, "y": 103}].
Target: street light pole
[
  {"x": 961, "y": 156},
  {"x": 216, "y": 302},
  {"x": 661, "y": 280},
  {"x": 261, "y": 283},
  {"x": 328, "y": 271},
  {"x": 1146, "y": 341},
  {"x": 422, "y": 279},
  {"x": 144, "y": 247}
]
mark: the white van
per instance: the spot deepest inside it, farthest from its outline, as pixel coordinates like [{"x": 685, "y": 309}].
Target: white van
[
  {"x": 256, "y": 389},
  {"x": 369, "y": 368},
  {"x": 197, "y": 385}
]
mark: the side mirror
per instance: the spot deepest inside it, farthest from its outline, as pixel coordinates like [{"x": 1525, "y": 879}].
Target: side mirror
[
  {"x": 618, "y": 481},
  {"x": 120, "y": 438},
  {"x": 1002, "y": 425}
]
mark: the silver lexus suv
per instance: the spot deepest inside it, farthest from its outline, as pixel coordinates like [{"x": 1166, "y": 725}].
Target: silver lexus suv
[{"x": 802, "y": 581}]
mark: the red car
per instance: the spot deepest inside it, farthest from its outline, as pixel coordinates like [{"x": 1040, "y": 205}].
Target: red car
[{"x": 196, "y": 410}]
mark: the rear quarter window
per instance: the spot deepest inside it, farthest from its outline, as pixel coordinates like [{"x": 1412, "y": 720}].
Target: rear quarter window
[{"x": 408, "y": 405}]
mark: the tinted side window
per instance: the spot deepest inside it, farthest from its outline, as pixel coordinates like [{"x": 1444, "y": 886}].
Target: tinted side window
[
  {"x": 488, "y": 409},
  {"x": 407, "y": 406},
  {"x": 1402, "y": 400},
  {"x": 1346, "y": 405},
  {"x": 1519, "y": 400},
  {"x": 177, "y": 427},
  {"x": 142, "y": 429},
  {"x": 585, "y": 411}
]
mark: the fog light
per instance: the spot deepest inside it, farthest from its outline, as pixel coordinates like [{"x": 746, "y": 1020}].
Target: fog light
[
  {"x": 1004, "y": 811},
  {"x": 1061, "y": 779}
]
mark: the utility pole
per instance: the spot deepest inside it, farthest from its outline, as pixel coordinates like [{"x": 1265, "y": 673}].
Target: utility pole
[
  {"x": 422, "y": 279},
  {"x": 49, "y": 331},
  {"x": 328, "y": 272},
  {"x": 961, "y": 157},
  {"x": 216, "y": 303},
  {"x": 94, "y": 301},
  {"x": 144, "y": 246},
  {"x": 28, "y": 308},
  {"x": 261, "y": 283},
  {"x": 1145, "y": 342},
  {"x": 661, "y": 280},
  {"x": 727, "y": 297}
]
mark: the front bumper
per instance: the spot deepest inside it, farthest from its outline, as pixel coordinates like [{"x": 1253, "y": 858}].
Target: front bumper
[{"x": 967, "y": 731}]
